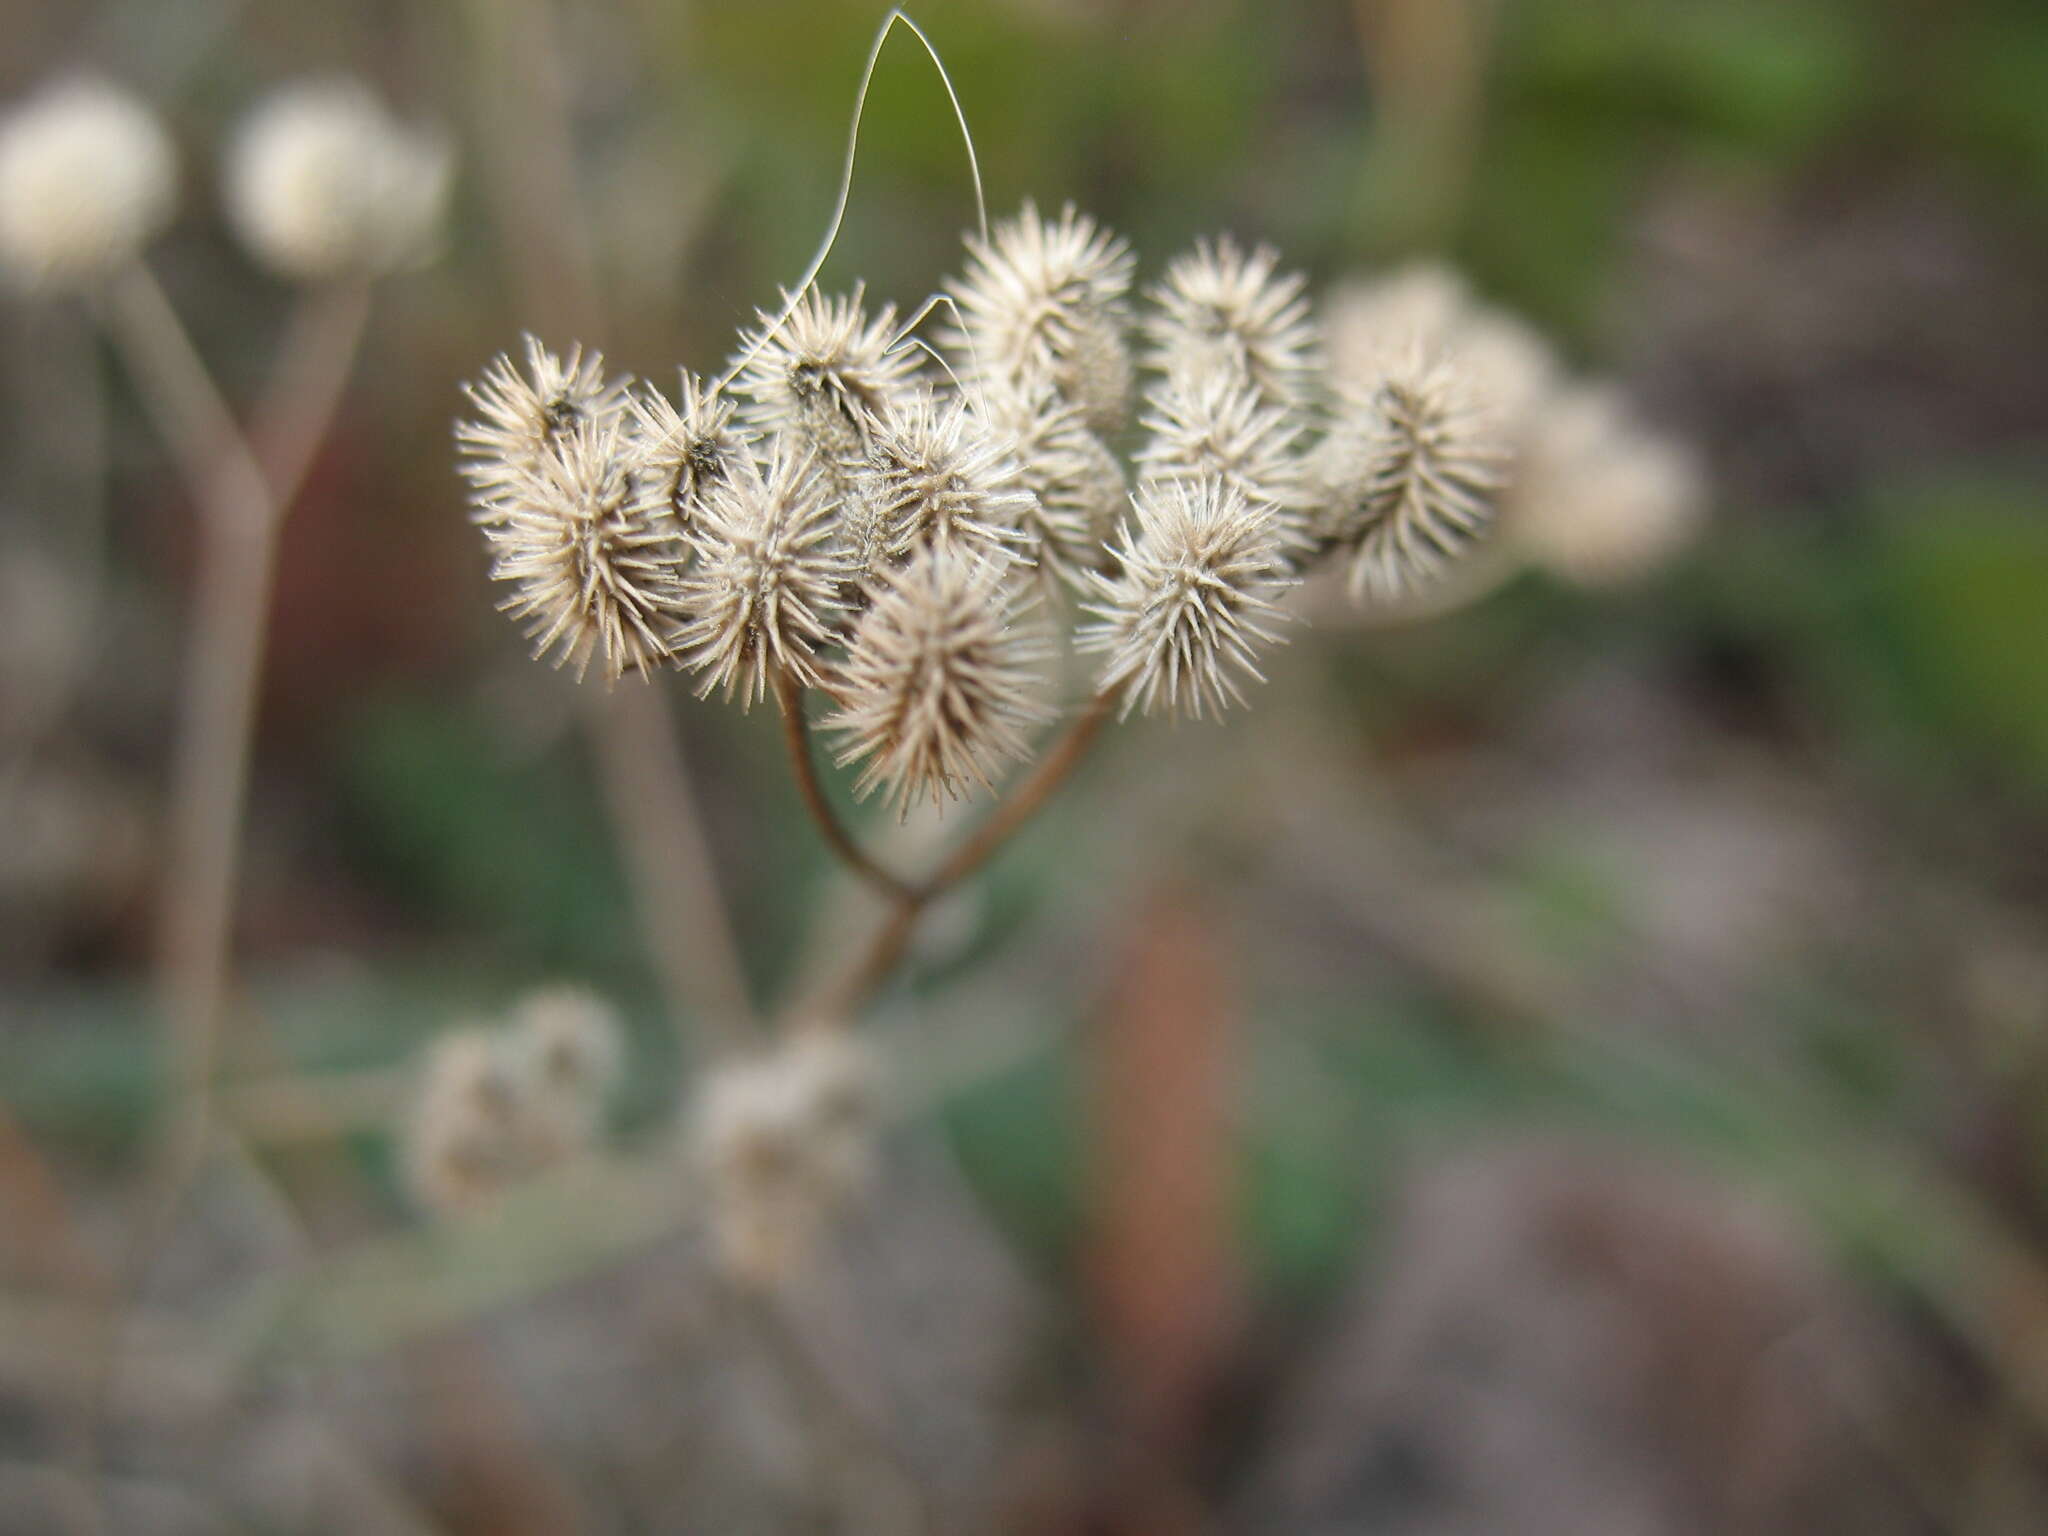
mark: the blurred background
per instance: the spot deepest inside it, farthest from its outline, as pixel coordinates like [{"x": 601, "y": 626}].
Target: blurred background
[{"x": 1578, "y": 1063}]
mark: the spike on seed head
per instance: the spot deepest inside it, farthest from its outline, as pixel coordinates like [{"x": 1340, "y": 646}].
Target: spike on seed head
[
  {"x": 942, "y": 479},
  {"x": 591, "y": 576},
  {"x": 1044, "y": 302},
  {"x": 828, "y": 374},
  {"x": 1077, "y": 486},
  {"x": 937, "y": 690},
  {"x": 681, "y": 451},
  {"x": 522, "y": 418},
  {"x": 765, "y": 587},
  {"x": 1222, "y": 310},
  {"x": 1219, "y": 426},
  {"x": 1409, "y": 475},
  {"x": 1196, "y": 596}
]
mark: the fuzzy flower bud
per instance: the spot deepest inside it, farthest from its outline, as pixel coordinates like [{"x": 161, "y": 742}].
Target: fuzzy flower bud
[
  {"x": 322, "y": 183},
  {"x": 87, "y": 178},
  {"x": 827, "y": 376},
  {"x": 938, "y": 688},
  {"x": 1195, "y": 597},
  {"x": 523, "y": 418},
  {"x": 1408, "y": 476},
  {"x": 765, "y": 588},
  {"x": 591, "y": 576},
  {"x": 1077, "y": 486},
  {"x": 1223, "y": 312},
  {"x": 940, "y": 479},
  {"x": 1044, "y": 302},
  {"x": 682, "y": 452},
  {"x": 1217, "y": 426},
  {"x": 1598, "y": 499}
]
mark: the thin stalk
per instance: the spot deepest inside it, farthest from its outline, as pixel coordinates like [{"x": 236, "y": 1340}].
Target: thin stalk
[
  {"x": 841, "y": 999},
  {"x": 675, "y": 889},
  {"x": 796, "y": 734},
  {"x": 241, "y": 513}
]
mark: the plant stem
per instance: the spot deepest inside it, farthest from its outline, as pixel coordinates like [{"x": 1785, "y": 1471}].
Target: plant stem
[
  {"x": 241, "y": 512},
  {"x": 843, "y": 998},
  {"x": 796, "y": 734},
  {"x": 668, "y": 858}
]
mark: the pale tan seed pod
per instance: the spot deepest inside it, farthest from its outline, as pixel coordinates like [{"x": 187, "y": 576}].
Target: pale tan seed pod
[
  {"x": 592, "y": 578},
  {"x": 1223, "y": 311},
  {"x": 1598, "y": 499},
  {"x": 321, "y": 183},
  {"x": 682, "y": 450},
  {"x": 1218, "y": 426},
  {"x": 751, "y": 1137},
  {"x": 1194, "y": 599},
  {"x": 837, "y": 1084},
  {"x": 461, "y": 1144},
  {"x": 1077, "y": 485},
  {"x": 1044, "y": 302},
  {"x": 765, "y": 589},
  {"x": 826, "y": 377},
  {"x": 566, "y": 1051},
  {"x": 1428, "y": 307},
  {"x": 524, "y": 416},
  {"x": 1408, "y": 477},
  {"x": 940, "y": 683},
  {"x": 87, "y": 179},
  {"x": 940, "y": 479}
]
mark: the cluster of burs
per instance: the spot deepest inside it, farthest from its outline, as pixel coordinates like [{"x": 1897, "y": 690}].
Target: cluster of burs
[{"x": 905, "y": 527}]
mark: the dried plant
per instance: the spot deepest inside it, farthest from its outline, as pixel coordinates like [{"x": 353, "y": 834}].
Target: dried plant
[
  {"x": 1194, "y": 598},
  {"x": 939, "y": 686}
]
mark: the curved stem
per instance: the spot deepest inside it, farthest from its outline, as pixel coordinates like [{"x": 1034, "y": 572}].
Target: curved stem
[
  {"x": 842, "y": 998},
  {"x": 796, "y": 734}
]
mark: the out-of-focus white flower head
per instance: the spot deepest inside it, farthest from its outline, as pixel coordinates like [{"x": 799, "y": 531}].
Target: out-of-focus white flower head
[
  {"x": 322, "y": 182},
  {"x": 87, "y": 177},
  {"x": 1602, "y": 500}
]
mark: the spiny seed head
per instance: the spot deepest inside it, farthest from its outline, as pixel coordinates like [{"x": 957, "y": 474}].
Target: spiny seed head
[
  {"x": 87, "y": 178},
  {"x": 764, "y": 591},
  {"x": 322, "y": 182},
  {"x": 1221, "y": 310},
  {"x": 522, "y": 418},
  {"x": 1077, "y": 485},
  {"x": 942, "y": 479},
  {"x": 681, "y": 451},
  {"x": 1195, "y": 597},
  {"x": 591, "y": 576},
  {"x": 1502, "y": 359},
  {"x": 1044, "y": 301},
  {"x": 937, "y": 690},
  {"x": 1599, "y": 499},
  {"x": 1408, "y": 476},
  {"x": 1218, "y": 426},
  {"x": 827, "y": 375}
]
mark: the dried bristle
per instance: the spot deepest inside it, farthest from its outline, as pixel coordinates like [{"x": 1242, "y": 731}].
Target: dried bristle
[
  {"x": 943, "y": 480},
  {"x": 1223, "y": 311},
  {"x": 591, "y": 575},
  {"x": 1077, "y": 485},
  {"x": 1196, "y": 596},
  {"x": 681, "y": 449},
  {"x": 1044, "y": 301},
  {"x": 764, "y": 590},
  {"x": 938, "y": 687},
  {"x": 1410, "y": 473},
  {"x": 1217, "y": 426},
  {"x": 522, "y": 418},
  {"x": 827, "y": 375}
]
